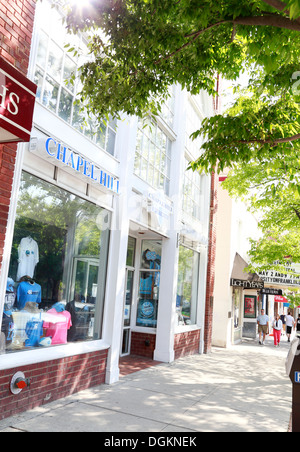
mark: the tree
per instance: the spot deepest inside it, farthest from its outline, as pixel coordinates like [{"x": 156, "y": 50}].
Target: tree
[
  {"x": 147, "y": 45},
  {"x": 270, "y": 191}
]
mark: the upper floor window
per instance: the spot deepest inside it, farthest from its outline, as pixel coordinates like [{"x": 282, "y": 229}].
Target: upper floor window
[
  {"x": 153, "y": 156},
  {"x": 193, "y": 123},
  {"x": 168, "y": 107},
  {"x": 192, "y": 187},
  {"x": 53, "y": 75},
  {"x": 192, "y": 192}
]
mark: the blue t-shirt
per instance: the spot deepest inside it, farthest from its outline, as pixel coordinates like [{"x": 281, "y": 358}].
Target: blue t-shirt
[
  {"x": 28, "y": 293},
  {"x": 34, "y": 331}
]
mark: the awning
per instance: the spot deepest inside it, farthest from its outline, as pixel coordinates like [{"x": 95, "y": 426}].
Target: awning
[
  {"x": 240, "y": 278},
  {"x": 279, "y": 299}
]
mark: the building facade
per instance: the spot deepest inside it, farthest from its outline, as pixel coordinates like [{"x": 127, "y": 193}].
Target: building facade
[
  {"x": 237, "y": 293},
  {"x": 107, "y": 242}
]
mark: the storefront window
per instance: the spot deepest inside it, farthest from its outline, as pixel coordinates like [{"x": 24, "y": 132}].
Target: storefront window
[
  {"x": 149, "y": 284},
  {"x": 187, "y": 288},
  {"x": 56, "y": 285}
]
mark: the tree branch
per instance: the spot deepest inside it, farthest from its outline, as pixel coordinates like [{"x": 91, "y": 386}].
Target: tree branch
[
  {"x": 272, "y": 20},
  {"x": 277, "y": 4},
  {"x": 296, "y": 212},
  {"x": 194, "y": 35},
  {"x": 274, "y": 142}
]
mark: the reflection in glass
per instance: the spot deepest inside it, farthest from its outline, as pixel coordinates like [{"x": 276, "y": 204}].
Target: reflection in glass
[
  {"x": 57, "y": 271},
  {"x": 187, "y": 287},
  {"x": 149, "y": 284}
]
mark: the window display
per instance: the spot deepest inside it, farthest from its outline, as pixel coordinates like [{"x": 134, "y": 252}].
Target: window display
[
  {"x": 56, "y": 286},
  {"x": 149, "y": 284},
  {"x": 57, "y": 329},
  {"x": 187, "y": 287},
  {"x": 28, "y": 257},
  {"x": 28, "y": 291}
]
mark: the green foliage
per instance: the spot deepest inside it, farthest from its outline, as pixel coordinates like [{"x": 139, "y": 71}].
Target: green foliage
[
  {"x": 141, "y": 47},
  {"x": 271, "y": 191}
]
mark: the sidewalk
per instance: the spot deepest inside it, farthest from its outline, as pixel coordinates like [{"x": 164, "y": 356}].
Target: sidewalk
[{"x": 241, "y": 389}]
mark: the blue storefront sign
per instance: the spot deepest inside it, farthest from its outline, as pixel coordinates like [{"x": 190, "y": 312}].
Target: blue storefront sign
[
  {"x": 297, "y": 377},
  {"x": 81, "y": 165}
]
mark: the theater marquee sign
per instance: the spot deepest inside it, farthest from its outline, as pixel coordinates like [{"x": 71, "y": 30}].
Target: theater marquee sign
[
  {"x": 291, "y": 277},
  {"x": 17, "y": 100},
  {"x": 246, "y": 284}
]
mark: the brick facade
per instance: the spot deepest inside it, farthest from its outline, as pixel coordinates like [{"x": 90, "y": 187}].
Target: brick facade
[
  {"x": 16, "y": 27},
  {"x": 210, "y": 284},
  {"x": 143, "y": 344},
  {"x": 51, "y": 380},
  {"x": 186, "y": 344}
]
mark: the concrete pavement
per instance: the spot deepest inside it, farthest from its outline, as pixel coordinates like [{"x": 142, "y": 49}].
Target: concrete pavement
[{"x": 240, "y": 389}]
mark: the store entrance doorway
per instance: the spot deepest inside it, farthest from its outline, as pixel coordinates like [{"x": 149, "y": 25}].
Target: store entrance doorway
[{"x": 125, "y": 346}]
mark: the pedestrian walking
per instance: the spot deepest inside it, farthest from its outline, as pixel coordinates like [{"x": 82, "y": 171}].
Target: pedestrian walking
[
  {"x": 283, "y": 319},
  {"x": 290, "y": 324},
  {"x": 298, "y": 326},
  {"x": 277, "y": 328},
  {"x": 263, "y": 327}
]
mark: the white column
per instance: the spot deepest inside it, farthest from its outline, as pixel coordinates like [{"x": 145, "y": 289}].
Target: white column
[
  {"x": 115, "y": 287},
  {"x": 164, "y": 350}
]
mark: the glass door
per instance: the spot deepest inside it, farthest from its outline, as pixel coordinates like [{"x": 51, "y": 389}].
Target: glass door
[
  {"x": 128, "y": 297},
  {"x": 127, "y": 312}
]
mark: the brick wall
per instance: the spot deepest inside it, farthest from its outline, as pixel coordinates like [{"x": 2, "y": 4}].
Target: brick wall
[
  {"x": 138, "y": 344},
  {"x": 16, "y": 27},
  {"x": 210, "y": 283},
  {"x": 186, "y": 343},
  {"x": 52, "y": 380}
]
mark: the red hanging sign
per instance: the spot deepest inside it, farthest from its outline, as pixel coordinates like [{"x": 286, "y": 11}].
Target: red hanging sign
[{"x": 17, "y": 100}]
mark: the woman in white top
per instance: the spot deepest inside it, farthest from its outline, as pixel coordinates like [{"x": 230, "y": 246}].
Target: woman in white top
[{"x": 277, "y": 327}]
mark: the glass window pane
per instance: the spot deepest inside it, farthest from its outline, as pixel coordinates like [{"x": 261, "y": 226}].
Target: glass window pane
[
  {"x": 57, "y": 269},
  {"x": 151, "y": 254},
  {"x": 149, "y": 284},
  {"x": 147, "y": 308},
  {"x": 187, "y": 287},
  {"x": 65, "y": 105},
  {"x": 153, "y": 145},
  {"x": 137, "y": 165},
  {"x": 78, "y": 119},
  {"x": 128, "y": 298},
  {"x": 125, "y": 342},
  {"x": 38, "y": 80},
  {"x": 69, "y": 70},
  {"x": 42, "y": 50},
  {"x": 131, "y": 252},
  {"x": 111, "y": 141},
  {"x": 55, "y": 60},
  {"x": 101, "y": 136},
  {"x": 50, "y": 95}
]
